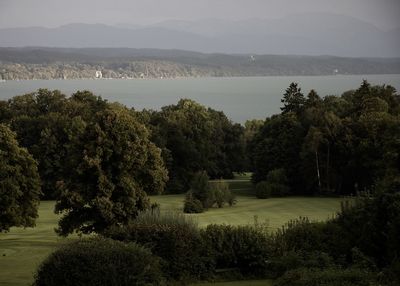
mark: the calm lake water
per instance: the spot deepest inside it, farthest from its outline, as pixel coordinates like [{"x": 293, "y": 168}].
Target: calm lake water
[{"x": 241, "y": 98}]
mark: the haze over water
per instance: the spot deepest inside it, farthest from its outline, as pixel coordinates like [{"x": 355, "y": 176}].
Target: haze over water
[{"x": 239, "y": 98}]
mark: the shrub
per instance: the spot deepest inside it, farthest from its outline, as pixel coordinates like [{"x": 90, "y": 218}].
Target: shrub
[
  {"x": 99, "y": 262},
  {"x": 277, "y": 190},
  {"x": 326, "y": 277},
  {"x": 244, "y": 247},
  {"x": 279, "y": 264},
  {"x": 299, "y": 235},
  {"x": 372, "y": 224},
  {"x": 277, "y": 176},
  {"x": 191, "y": 204},
  {"x": 221, "y": 194},
  {"x": 200, "y": 188},
  {"x": 173, "y": 237},
  {"x": 262, "y": 191},
  {"x": 274, "y": 186},
  {"x": 204, "y": 194}
]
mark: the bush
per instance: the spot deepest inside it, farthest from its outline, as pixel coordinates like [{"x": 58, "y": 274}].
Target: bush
[
  {"x": 262, "y": 191},
  {"x": 244, "y": 247},
  {"x": 191, "y": 204},
  {"x": 221, "y": 194},
  {"x": 372, "y": 224},
  {"x": 274, "y": 186},
  {"x": 277, "y": 190},
  {"x": 279, "y": 264},
  {"x": 173, "y": 237},
  {"x": 327, "y": 277},
  {"x": 204, "y": 194},
  {"x": 299, "y": 235},
  {"x": 200, "y": 188},
  {"x": 99, "y": 262}
]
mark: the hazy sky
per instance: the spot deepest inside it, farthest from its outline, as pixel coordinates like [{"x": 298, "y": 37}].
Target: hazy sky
[{"x": 51, "y": 13}]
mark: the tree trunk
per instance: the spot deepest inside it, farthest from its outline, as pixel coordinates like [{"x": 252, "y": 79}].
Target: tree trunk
[
  {"x": 318, "y": 174},
  {"x": 328, "y": 188}
]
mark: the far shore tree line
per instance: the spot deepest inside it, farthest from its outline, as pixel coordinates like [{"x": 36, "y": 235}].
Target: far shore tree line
[{"x": 100, "y": 160}]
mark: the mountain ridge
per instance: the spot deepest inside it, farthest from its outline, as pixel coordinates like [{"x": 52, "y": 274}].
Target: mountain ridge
[{"x": 307, "y": 33}]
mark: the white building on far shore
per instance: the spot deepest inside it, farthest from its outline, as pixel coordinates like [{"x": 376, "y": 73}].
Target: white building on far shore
[{"x": 98, "y": 74}]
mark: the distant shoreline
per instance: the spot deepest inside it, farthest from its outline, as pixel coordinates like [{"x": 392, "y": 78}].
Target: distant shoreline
[
  {"x": 196, "y": 77},
  {"x": 69, "y": 63}
]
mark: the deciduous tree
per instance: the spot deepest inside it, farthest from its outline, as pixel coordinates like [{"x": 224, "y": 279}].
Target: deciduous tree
[
  {"x": 113, "y": 165},
  {"x": 19, "y": 183}
]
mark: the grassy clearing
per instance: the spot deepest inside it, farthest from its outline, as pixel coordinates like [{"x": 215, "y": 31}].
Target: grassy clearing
[
  {"x": 275, "y": 212},
  {"x": 22, "y": 250}
]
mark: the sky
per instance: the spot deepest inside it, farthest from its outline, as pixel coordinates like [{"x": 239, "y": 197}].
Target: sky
[{"x": 53, "y": 13}]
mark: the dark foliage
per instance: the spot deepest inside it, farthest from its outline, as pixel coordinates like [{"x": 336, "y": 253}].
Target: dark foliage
[
  {"x": 100, "y": 262},
  {"x": 277, "y": 146},
  {"x": 113, "y": 166},
  {"x": 19, "y": 183},
  {"x": 175, "y": 239},
  {"x": 326, "y": 277},
  {"x": 204, "y": 194},
  {"x": 331, "y": 145},
  {"x": 372, "y": 224},
  {"x": 194, "y": 138},
  {"x": 364, "y": 234},
  {"x": 274, "y": 186},
  {"x": 191, "y": 204},
  {"x": 94, "y": 158},
  {"x": 246, "y": 248}
]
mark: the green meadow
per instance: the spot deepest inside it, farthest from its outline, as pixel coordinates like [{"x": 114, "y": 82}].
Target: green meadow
[{"x": 22, "y": 250}]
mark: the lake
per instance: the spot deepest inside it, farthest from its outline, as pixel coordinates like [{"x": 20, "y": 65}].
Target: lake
[{"x": 241, "y": 98}]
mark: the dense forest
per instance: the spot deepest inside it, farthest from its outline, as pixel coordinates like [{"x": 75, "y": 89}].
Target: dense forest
[
  {"x": 99, "y": 161},
  {"x": 72, "y": 63},
  {"x": 333, "y": 145}
]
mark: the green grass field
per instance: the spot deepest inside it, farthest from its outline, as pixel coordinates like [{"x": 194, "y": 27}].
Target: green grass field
[{"x": 22, "y": 250}]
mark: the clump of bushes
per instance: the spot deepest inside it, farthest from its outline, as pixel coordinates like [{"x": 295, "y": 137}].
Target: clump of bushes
[
  {"x": 276, "y": 185},
  {"x": 300, "y": 235},
  {"x": 191, "y": 204},
  {"x": 199, "y": 196},
  {"x": 204, "y": 194},
  {"x": 245, "y": 248},
  {"x": 221, "y": 194},
  {"x": 364, "y": 235},
  {"x": 173, "y": 237},
  {"x": 100, "y": 262}
]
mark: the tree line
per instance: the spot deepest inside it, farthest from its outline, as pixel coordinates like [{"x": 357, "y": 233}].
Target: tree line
[{"x": 336, "y": 145}]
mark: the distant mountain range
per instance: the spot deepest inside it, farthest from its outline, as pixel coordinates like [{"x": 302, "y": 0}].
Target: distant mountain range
[
  {"x": 299, "y": 34},
  {"x": 52, "y": 63}
]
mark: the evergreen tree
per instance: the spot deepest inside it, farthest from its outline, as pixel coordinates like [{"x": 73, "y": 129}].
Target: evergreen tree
[{"x": 293, "y": 100}]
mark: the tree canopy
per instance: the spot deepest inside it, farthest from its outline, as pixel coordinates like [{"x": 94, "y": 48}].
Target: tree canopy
[
  {"x": 19, "y": 183},
  {"x": 113, "y": 166},
  {"x": 94, "y": 158},
  {"x": 194, "y": 138},
  {"x": 331, "y": 145}
]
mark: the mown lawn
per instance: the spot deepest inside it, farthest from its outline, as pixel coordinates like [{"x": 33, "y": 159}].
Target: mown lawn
[
  {"x": 22, "y": 250},
  {"x": 275, "y": 212}
]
